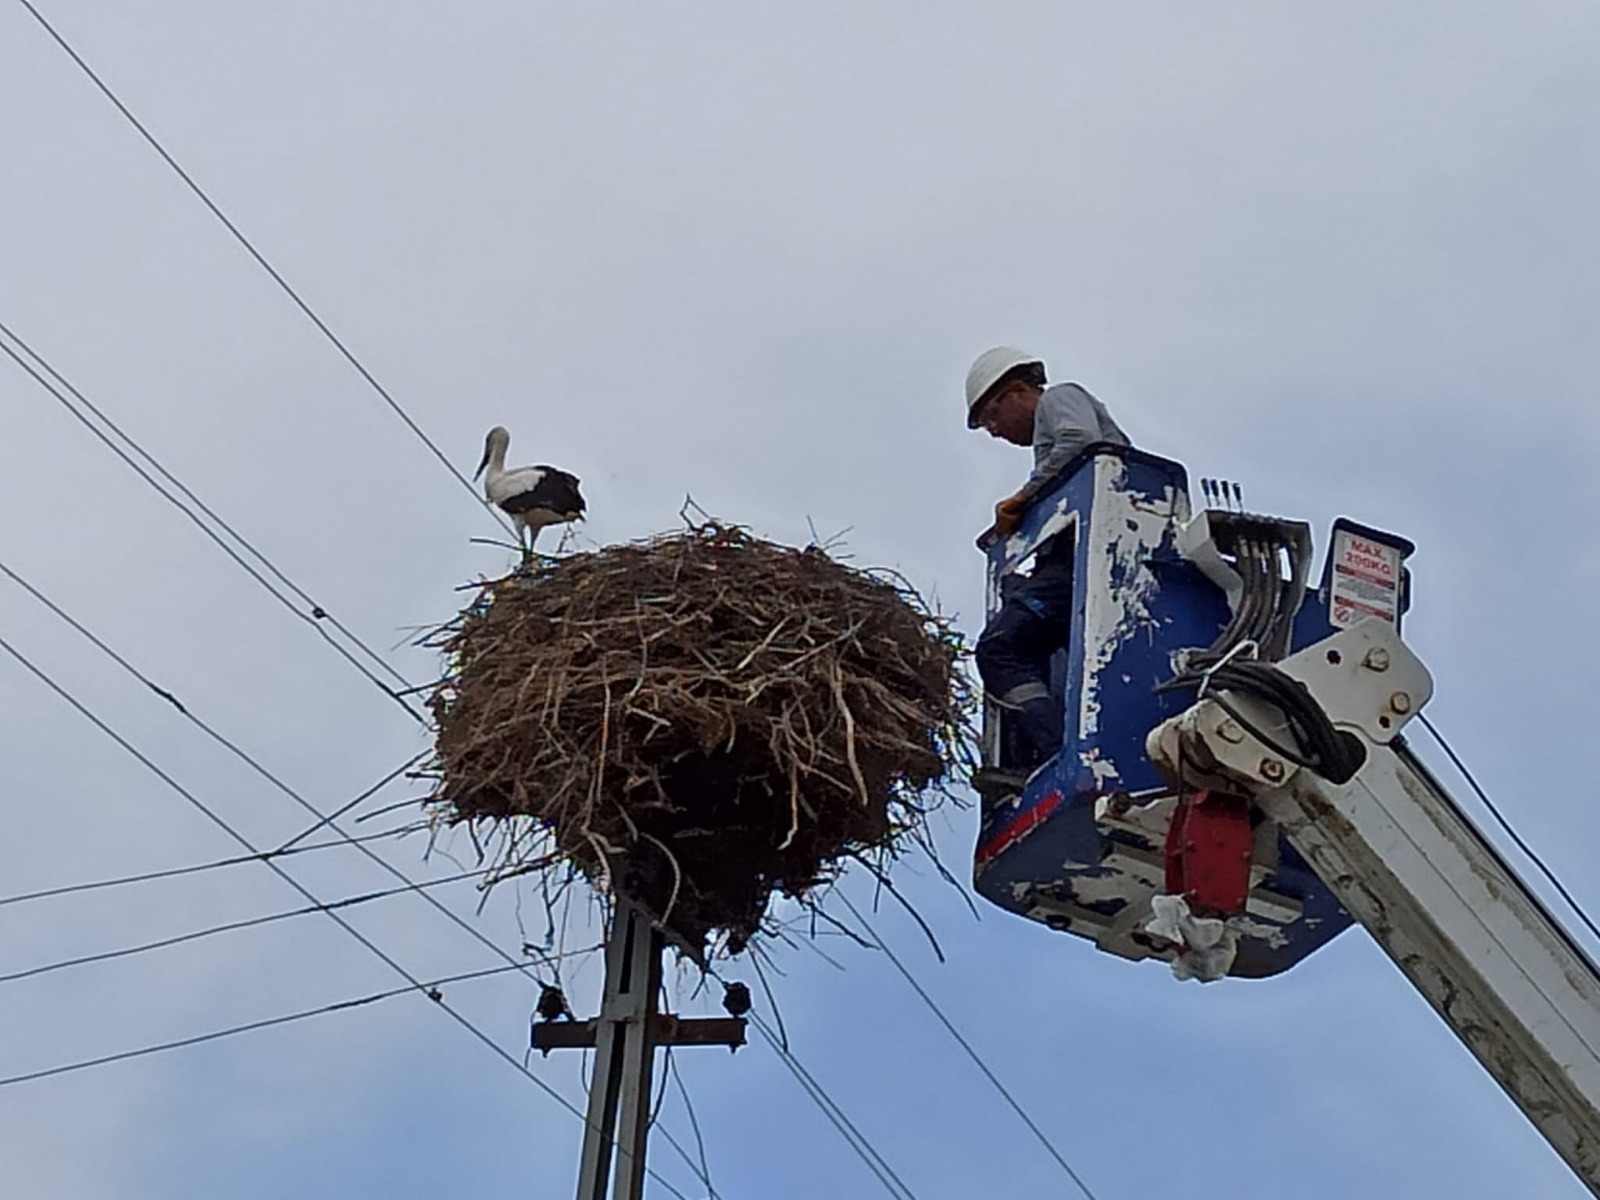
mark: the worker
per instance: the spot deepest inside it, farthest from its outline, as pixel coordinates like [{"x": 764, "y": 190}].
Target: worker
[{"x": 1009, "y": 397}]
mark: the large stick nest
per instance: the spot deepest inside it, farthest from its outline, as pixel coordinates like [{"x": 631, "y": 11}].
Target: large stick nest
[{"x": 697, "y": 721}]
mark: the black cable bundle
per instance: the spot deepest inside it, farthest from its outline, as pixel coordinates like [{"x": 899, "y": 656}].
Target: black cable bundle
[
  {"x": 1318, "y": 746},
  {"x": 1267, "y": 603}
]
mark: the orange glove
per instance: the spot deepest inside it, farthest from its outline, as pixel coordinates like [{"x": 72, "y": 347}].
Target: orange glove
[{"x": 1008, "y": 514}]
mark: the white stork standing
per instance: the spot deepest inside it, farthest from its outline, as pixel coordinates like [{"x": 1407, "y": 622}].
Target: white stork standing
[{"x": 532, "y": 497}]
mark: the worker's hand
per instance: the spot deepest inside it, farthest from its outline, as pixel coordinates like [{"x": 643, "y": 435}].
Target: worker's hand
[{"x": 1008, "y": 513}]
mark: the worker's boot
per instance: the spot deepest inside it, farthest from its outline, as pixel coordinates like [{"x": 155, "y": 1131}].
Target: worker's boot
[{"x": 1040, "y": 723}]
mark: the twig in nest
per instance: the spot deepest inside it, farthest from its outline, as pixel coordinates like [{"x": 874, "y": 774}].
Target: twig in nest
[
  {"x": 905, "y": 904},
  {"x": 849, "y": 735},
  {"x": 794, "y": 807}
]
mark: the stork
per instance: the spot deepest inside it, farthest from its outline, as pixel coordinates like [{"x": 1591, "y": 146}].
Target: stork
[{"x": 532, "y": 497}]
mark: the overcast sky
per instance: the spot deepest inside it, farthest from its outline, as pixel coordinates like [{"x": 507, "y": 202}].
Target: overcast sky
[{"x": 1343, "y": 253}]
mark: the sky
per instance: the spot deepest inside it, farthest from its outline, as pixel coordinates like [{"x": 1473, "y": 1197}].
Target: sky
[{"x": 1343, "y": 254}]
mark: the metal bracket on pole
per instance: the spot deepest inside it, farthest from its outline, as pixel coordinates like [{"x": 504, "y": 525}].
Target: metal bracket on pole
[{"x": 624, "y": 1038}]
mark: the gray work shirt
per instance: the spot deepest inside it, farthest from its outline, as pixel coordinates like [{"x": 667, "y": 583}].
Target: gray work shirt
[{"x": 1067, "y": 419}]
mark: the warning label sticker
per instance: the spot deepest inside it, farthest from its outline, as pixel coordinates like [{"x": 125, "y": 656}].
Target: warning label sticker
[{"x": 1366, "y": 580}]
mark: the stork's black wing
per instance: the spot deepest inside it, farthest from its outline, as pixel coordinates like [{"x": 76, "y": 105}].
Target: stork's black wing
[{"x": 556, "y": 492}]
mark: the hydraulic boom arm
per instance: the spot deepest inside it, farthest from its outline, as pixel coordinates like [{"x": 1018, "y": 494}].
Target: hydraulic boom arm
[{"x": 1409, "y": 866}]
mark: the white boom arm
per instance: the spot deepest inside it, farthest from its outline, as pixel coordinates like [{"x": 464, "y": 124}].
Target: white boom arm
[{"x": 1409, "y": 866}]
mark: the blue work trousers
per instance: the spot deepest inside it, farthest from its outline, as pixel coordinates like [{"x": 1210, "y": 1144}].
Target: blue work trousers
[{"x": 1014, "y": 652}]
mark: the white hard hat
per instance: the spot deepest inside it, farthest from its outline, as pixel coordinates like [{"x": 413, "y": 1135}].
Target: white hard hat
[{"x": 986, "y": 371}]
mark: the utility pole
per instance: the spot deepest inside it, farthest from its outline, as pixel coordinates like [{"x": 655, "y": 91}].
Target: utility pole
[{"x": 624, "y": 1038}]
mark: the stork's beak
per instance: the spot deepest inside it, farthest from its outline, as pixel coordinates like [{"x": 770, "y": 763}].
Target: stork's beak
[{"x": 482, "y": 464}]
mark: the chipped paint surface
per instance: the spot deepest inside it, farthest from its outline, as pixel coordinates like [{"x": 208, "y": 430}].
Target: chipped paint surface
[
  {"x": 1119, "y": 591},
  {"x": 1101, "y": 770},
  {"x": 1265, "y": 931},
  {"x": 1023, "y": 543},
  {"x": 1098, "y": 886}
]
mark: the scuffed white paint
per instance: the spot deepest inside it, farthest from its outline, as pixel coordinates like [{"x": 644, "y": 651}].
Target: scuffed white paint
[
  {"x": 1112, "y": 885},
  {"x": 1259, "y": 930},
  {"x": 1115, "y": 544},
  {"x": 1102, "y": 769},
  {"x": 1020, "y": 545}
]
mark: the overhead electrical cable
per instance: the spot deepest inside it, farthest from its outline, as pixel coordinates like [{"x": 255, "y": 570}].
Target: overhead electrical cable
[
  {"x": 324, "y": 822},
  {"x": 1510, "y": 832},
  {"x": 314, "y": 609},
  {"x": 338, "y": 918},
  {"x": 94, "y": 885},
  {"x": 313, "y": 615},
  {"x": 323, "y": 819},
  {"x": 858, "y": 1142},
  {"x": 694, "y": 1124},
  {"x": 965, "y": 1045},
  {"x": 196, "y": 935},
  {"x": 260, "y": 258},
  {"x": 429, "y": 987},
  {"x": 819, "y": 1096}
]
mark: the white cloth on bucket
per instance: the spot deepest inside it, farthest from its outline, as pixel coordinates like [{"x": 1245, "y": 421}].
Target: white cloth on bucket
[{"x": 1207, "y": 946}]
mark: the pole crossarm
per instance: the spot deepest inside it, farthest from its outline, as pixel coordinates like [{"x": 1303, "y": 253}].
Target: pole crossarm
[
  {"x": 666, "y": 1029},
  {"x": 624, "y": 1038}
]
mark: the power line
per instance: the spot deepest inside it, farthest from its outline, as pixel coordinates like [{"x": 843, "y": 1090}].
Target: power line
[
  {"x": 205, "y": 809},
  {"x": 195, "y": 869},
  {"x": 1511, "y": 833},
  {"x": 273, "y": 866},
  {"x": 250, "y": 761},
  {"x": 327, "y": 819},
  {"x": 967, "y": 1046},
  {"x": 694, "y": 1124},
  {"x": 261, "y": 259},
  {"x": 231, "y": 927},
  {"x": 316, "y": 610},
  {"x": 260, "y": 769},
  {"x": 324, "y": 822},
  {"x": 314, "y": 615},
  {"x": 857, "y": 1140},
  {"x": 892, "y": 1183},
  {"x": 428, "y": 987}
]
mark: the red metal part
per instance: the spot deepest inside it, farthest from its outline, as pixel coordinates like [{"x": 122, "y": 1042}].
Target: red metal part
[
  {"x": 1209, "y": 847},
  {"x": 1019, "y": 827}
]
